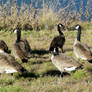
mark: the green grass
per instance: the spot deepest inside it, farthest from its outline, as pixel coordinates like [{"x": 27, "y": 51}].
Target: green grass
[
  {"x": 11, "y": 89},
  {"x": 43, "y": 76},
  {"x": 80, "y": 74}
]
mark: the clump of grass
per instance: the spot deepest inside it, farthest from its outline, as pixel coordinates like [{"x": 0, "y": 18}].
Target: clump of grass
[
  {"x": 80, "y": 74},
  {"x": 89, "y": 68},
  {"x": 11, "y": 89},
  {"x": 5, "y": 82}
]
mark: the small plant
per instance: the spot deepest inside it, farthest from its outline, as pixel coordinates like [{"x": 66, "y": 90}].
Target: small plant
[
  {"x": 10, "y": 89},
  {"x": 80, "y": 74}
]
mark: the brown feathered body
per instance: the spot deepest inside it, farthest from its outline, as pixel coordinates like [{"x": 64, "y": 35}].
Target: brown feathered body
[
  {"x": 22, "y": 48},
  {"x": 82, "y": 51},
  {"x": 58, "y": 41},
  {"x": 8, "y": 64},
  {"x": 65, "y": 63}
]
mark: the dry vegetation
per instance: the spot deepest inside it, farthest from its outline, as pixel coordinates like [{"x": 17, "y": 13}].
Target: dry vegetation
[
  {"x": 32, "y": 18},
  {"x": 43, "y": 76}
]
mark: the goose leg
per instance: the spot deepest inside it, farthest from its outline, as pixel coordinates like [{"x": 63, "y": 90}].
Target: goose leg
[
  {"x": 62, "y": 50},
  {"x": 12, "y": 76},
  {"x": 61, "y": 75},
  {"x": 0, "y": 75}
]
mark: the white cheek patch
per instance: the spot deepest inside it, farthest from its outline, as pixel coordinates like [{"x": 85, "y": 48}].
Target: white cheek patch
[
  {"x": 77, "y": 27},
  {"x": 10, "y": 71},
  {"x": 59, "y": 25},
  {"x": 70, "y": 68},
  {"x": 15, "y": 31}
]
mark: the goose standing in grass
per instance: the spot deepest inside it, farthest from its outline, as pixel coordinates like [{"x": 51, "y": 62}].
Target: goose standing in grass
[
  {"x": 8, "y": 64},
  {"x": 81, "y": 51},
  {"x": 58, "y": 41},
  {"x": 64, "y": 62},
  {"x": 3, "y": 46},
  {"x": 22, "y": 48}
]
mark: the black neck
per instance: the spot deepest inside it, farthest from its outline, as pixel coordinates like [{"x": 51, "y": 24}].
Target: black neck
[
  {"x": 56, "y": 52},
  {"x": 18, "y": 35},
  {"x": 79, "y": 34},
  {"x": 59, "y": 30}
]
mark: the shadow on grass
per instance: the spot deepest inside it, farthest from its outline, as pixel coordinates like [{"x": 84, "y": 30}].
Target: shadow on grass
[
  {"x": 39, "y": 52},
  {"x": 55, "y": 73},
  {"x": 27, "y": 75}
]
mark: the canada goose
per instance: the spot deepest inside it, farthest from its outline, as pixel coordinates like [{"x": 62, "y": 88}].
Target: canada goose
[
  {"x": 22, "y": 48},
  {"x": 58, "y": 41},
  {"x": 3, "y": 46},
  {"x": 64, "y": 62},
  {"x": 81, "y": 51},
  {"x": 8, "y": 64}
]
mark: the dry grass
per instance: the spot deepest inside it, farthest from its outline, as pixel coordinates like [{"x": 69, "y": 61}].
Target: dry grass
[
  {"x": 30, "y": 17},
  {"x": 43, "y": 76}
]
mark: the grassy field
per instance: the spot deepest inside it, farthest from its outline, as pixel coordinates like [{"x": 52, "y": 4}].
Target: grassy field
[{"x": 43, "y": 76}]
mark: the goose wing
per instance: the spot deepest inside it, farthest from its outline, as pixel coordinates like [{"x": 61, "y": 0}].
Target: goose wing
[
  {"x": 3, "y": 46},
  {"x": 27, "y": 46},
  {"x": 9, "y": 62},
  {"x": 83, "y": 51},
  {"x": 65, "y": 61},
  {"x": 58, "y": 41},
  {"x": 19, "y": 50}
]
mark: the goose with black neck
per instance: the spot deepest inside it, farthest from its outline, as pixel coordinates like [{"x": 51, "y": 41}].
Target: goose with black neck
[
  {"x": 81, "y": 50},
  {"x": 58, "y": 41},
  {"x": 64, "y": 62},
  {"x": 22, "y": 48}
]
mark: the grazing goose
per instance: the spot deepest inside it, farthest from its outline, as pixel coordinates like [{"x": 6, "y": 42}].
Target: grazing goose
[
  {"x": 3, "y": 46},
  {"x": 21, "y": 47},
  {"x": 81, "y": 51},
  {"x": 64, "y": 62},
  {"x": 58, "y": 41},
  {"x": 8, "y": 64}
]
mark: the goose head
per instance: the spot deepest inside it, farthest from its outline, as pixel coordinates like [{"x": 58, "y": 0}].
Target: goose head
[
  {"x": 18, "y": 32},
  {"x": 60, "y": 27},
  {"x": 76, "y": 27}
]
